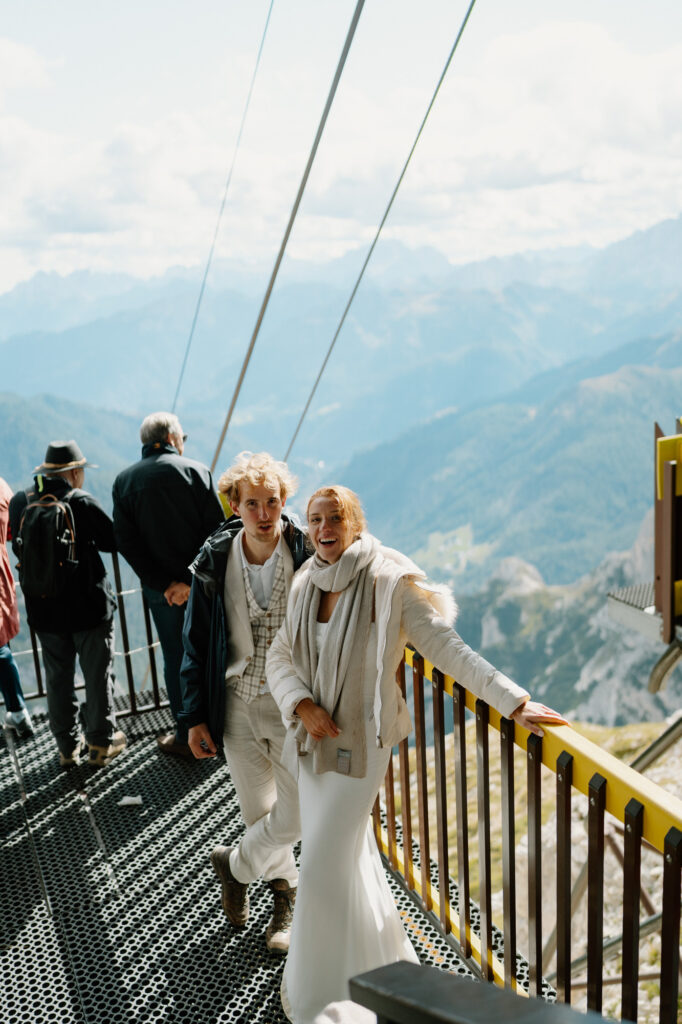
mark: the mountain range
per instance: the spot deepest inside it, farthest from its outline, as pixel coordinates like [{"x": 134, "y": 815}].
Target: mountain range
[
  {"x": 560, "y": 642},
  {"x": 559, "y": 481},
  {"x": 422, "y": 337},
  {"x": 494, "y": 412}
]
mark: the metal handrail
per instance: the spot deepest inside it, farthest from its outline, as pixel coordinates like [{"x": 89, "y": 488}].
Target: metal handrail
[
  {"x": 664, "y": 810},
  {"x": 134, "y": 685},
  {"x": 650, "y": 817}
]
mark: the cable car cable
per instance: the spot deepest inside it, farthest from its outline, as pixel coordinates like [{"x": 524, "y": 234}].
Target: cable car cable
[
  {"x": 222, "y": 207},
  {"x": 297, "y": 202},
  {"x": 378, "y": 232}
]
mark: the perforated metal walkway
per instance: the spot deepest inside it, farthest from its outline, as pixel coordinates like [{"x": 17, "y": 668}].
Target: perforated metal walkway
[{"x": 111, "y": 914}]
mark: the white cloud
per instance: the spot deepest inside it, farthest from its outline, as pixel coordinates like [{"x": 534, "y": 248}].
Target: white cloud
[
  {"x": 554, "y": 135},
  {"x": 20, "y": 67}
]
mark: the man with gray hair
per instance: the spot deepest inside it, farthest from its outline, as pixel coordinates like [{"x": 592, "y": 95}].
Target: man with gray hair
[{"x": 165, "y": 506}]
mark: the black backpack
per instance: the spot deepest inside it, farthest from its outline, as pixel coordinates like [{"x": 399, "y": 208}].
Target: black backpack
[{"x": 46, "y": 545}]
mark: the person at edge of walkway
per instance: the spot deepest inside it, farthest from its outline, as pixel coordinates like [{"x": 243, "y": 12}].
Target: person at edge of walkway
[
  {"x": 79, "y": 620},
  {"x": 16, "y": 713},
  {"x": 165, "y": 506},
  {"x": 332, "y": 670},
  {"x": 240, "y": 584}
]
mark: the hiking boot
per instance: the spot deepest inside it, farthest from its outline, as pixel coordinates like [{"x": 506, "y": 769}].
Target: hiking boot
[
  {"x": 20, "y": 721},
  {"x": 71, "y": 757},
  {"x": 168, "y": 743},
  {"x": 278, "y": 931},
  {"x": 235, "y": 895},
  {"x": 100, "y": 756}
]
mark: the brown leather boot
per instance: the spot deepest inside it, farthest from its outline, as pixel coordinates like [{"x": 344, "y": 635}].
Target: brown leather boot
[
  {"x": 234, "y": 894},
  {"x": 278, "y": 930}
]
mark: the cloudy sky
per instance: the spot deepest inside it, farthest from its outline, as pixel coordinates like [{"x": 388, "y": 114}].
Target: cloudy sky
[{"x": 559, "y": 124}]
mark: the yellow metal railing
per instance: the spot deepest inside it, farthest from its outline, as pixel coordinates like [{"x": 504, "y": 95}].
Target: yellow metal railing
[
  {"x": 426, "y": 809},
  {"x": 663, "y": 810}
]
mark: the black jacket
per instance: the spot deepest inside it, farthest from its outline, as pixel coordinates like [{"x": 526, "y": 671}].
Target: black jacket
[
  {"x": 87, "y": 598},
  {"x": 164, "y": 509},
  {"x": 205, "y": 635}
]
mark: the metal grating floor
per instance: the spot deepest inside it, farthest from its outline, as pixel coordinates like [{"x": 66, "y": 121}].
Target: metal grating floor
[
  {"x": 111, "y": 914},
  {"x": 639, "y": 596}
]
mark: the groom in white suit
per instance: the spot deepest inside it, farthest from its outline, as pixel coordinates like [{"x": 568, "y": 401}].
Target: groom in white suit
[{"x": 241, "y": 580}]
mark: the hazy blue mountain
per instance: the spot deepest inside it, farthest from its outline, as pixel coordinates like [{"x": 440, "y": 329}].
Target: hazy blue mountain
[
  {"x": 559, "y": 482},
  {"x": 559, "y": 642},
  {"x": 486, "y": 390},
  {"x": 51, "y": 302},
  {"x": 660, "y": 350},
  {"x": 459, "y": 348},
  {"x": 645, "y": 263},
  {"x": 404, "y": 354},
  {"x": 495, "y": 411},
  {"x": 106, "y": 438}
]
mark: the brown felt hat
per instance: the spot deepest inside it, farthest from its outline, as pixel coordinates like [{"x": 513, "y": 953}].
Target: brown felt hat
[{"x": 63, "y": 455}]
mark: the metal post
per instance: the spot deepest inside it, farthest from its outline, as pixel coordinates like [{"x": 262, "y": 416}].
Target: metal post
[
  {"x": 36, "y": 663},
  {"x": 459, "y": 710},
  {"x": 534, "y": 753},
  {"x": 564, "y": 776},
  {"x": 670, "y": 926},
  {"x": 124, "y": 633},
  {"x": 405, "y": 799},
  {"x": 632, "y": 861},
  {"x": 508, "y": 851},
  {"x": 422, "y": 791},
  {"x": 389, "y": 789},
  {"x": 595, "y": 891},
  {"x": 483, "y": 793},
  {"x": 150, "y": 650},
  {"x": 441, "y": 799}
]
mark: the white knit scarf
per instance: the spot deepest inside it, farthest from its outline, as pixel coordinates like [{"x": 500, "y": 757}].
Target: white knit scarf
[{"x": 342, "y": 654}]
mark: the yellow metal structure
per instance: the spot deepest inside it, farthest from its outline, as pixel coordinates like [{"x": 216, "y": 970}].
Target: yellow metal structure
[
  {"x": 668, "y": 449},
  {"x": 453, "y": 922},
  {"x": 662, "y": 810}
]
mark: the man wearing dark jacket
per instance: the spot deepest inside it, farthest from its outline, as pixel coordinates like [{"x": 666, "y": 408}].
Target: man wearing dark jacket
[
  {"x": 78, "y": 620},
  {"x": 242, "y": 578},
  {"x": 164, "y": 508}
]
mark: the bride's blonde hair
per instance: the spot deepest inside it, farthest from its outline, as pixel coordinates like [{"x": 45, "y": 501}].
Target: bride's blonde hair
[{"x": 348, "y": 502}]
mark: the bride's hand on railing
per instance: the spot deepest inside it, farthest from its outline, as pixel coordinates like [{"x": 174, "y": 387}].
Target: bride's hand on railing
[
  {"x": 531, "y": 713},
  {"x": 316, "y": 720}
]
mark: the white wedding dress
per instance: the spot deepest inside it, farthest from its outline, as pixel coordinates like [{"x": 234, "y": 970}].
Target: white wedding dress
[{"x": 345, "y": 920}]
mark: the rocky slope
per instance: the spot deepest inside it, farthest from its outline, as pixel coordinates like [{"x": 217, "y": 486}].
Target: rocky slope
[{"x": 560, "y": 643}]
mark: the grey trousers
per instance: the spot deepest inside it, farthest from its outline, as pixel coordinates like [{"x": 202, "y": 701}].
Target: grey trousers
[{"x": 95, "y": 650}]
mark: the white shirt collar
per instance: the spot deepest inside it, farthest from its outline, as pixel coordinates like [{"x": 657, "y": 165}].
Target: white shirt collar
[{"x": 254, "y": 566}]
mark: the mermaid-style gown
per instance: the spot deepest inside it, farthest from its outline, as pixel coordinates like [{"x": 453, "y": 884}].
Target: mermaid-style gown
[{"x": 345, "y": 921}]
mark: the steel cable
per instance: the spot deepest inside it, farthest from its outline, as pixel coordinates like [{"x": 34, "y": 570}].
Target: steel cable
[
  {"x": 297, "y": 202},
  {"x": 379, "y": 230},
  {"x": 222, "y": 207}
]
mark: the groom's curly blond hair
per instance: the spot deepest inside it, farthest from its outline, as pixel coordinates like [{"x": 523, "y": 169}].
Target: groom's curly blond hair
[{"x": 260, "y": 469}]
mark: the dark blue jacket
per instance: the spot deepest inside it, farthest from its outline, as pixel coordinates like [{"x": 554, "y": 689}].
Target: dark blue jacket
[
  {"x": 164, "y": 509},
  {"x": 205, "y": 636}
]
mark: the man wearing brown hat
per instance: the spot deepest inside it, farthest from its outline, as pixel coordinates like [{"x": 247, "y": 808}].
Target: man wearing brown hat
[{"x": 74, "y": 614}]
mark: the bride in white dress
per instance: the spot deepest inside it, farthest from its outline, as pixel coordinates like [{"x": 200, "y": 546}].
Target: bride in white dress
[{"x": 331, "y": 669}]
